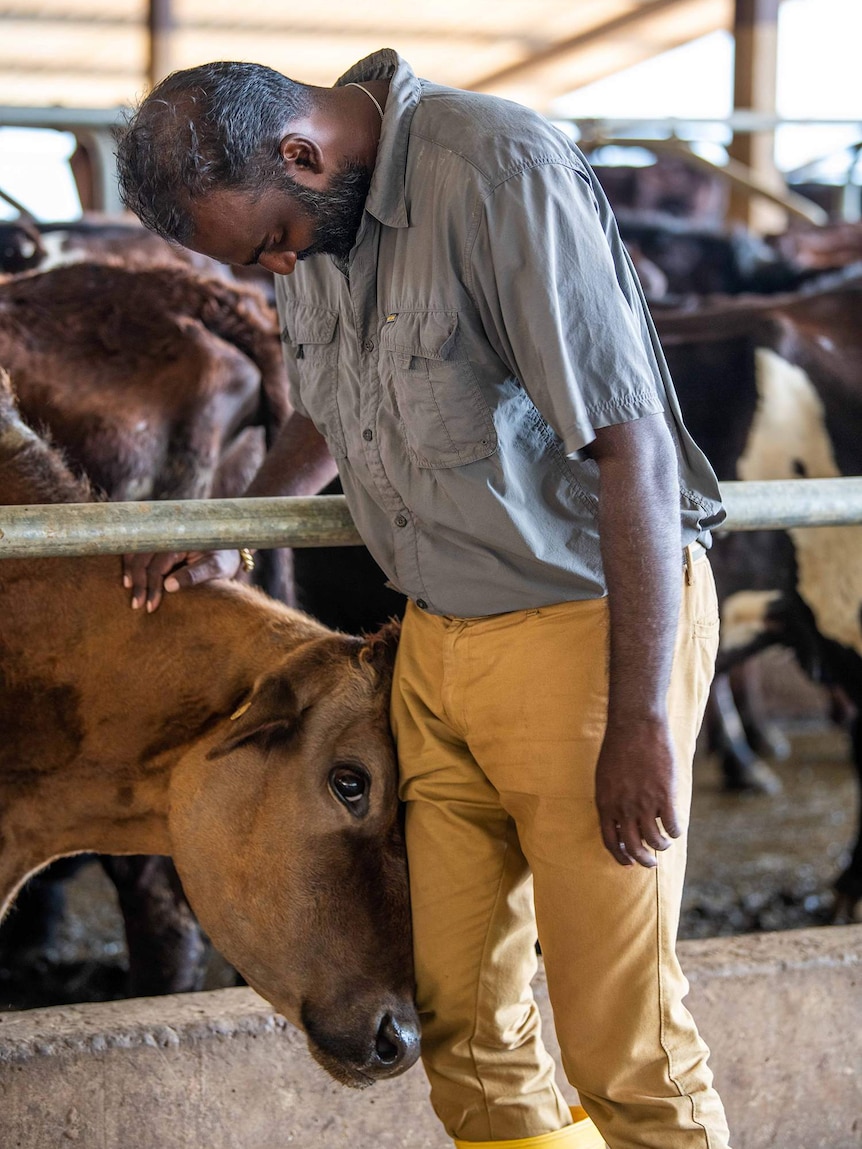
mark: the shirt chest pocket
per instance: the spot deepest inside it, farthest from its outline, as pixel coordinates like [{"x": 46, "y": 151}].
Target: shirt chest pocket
[
  {"x": 444, "y": 416},
  {"x": 311, "y": 330}
]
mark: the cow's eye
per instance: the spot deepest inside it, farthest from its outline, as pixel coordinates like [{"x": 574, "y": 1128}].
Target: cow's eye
[{"x": 350, "y": 786}]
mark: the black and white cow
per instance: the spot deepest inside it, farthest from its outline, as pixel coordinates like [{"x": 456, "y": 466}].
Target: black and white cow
[{"x": 771, "y": 388}]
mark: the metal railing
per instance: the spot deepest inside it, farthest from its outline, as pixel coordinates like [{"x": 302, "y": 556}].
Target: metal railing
[{"x": 324, "y": 520}]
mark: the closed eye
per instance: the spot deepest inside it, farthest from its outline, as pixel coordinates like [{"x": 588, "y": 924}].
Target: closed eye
[
  {"x": 255, "y": 255},
  {"x": 279, "y": 244}
]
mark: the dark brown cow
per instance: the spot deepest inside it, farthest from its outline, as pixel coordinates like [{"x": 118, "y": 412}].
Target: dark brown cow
[
  {"x": 669, "y": 186},
  {"x": 695, "y": 260},
  {"x": 772, "y": 389},
  {"x": 144, "y": 374},
  {"x": 240, "y": 737},
  {"x": 820, "y": 249}
]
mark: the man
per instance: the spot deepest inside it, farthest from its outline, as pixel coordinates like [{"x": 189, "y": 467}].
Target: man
[{"x": 462, "y": 326}]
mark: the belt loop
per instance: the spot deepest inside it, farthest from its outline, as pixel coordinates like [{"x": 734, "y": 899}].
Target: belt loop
[{"x": 688, "y": 554}]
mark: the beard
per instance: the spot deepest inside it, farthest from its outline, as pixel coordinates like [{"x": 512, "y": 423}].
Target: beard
[{"x": 336, "y": 213}]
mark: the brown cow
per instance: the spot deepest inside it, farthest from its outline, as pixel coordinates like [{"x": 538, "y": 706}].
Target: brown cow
[
  {"x": 158, "y": 383},
  {"x": 240, "y": 737}
]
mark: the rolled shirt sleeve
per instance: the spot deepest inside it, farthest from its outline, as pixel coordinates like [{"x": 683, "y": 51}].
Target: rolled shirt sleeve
[{"x": 551, "y": 300}]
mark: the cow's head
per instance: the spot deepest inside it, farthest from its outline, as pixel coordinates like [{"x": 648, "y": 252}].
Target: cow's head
[{"x": 288, "y": 839}]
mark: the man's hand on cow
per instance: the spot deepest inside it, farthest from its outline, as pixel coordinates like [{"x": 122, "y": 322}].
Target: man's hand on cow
[
  {"x": 635, "y": 791},
  {"x": 149, "y": 576}
]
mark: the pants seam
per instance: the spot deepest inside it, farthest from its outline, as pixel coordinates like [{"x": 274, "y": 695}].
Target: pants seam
[
  {"x": 661, "y": 1010},
  {"x": 480, "y": 971}
]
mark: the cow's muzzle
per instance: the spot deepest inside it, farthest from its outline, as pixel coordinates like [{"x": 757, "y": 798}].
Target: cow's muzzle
[{"x": 390, "y": 1045}]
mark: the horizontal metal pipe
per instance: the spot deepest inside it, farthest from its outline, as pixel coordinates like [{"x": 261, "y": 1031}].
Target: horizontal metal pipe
[
  {"x": 211, "y": 524},
  {"x": 191, "y": 525},
  {"x": 741, "y": 120},
  {"x": 776, "y": 504}
]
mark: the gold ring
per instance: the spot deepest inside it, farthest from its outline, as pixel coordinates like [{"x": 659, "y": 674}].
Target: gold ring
[{"x": 246, "y": 559}]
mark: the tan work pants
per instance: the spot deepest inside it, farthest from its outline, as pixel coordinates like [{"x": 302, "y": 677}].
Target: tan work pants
[{"x": 499, "y": 722}]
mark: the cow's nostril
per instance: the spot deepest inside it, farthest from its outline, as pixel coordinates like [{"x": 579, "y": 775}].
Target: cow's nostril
[{"x": 388, "y": 1044}]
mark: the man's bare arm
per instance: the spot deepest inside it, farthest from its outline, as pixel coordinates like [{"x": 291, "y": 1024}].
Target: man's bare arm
[
  {"x": 639, "y": 527},
  {"x": 298, "y": 463}
]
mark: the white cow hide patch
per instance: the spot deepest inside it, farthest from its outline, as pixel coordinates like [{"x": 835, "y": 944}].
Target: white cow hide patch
[
  {"x": 743, "y": 617},
  {"x": 57, "y": 254},
  {"x": 789, "y": 427}
]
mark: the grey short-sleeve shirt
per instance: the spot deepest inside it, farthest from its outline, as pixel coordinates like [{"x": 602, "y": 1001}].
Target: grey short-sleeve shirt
[{"x": 487, "y": 322}]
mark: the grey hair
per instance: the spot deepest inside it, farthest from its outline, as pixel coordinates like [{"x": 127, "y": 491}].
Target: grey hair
[{"x": 218, "y": 125}]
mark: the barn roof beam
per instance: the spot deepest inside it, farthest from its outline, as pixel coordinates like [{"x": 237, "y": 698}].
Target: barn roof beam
[
  {"x": 547, "y": 49},
  {"x": 253, "y": 24},
  {"x": 554, "y": 51},
  {"x": 646, "y": 30}
]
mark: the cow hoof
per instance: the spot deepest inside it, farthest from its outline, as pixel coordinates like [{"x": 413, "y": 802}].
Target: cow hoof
[
  {"x": 753, "y": 777},
  {"x": 769, "y": 742},
  {"x": 846, "y": 910}
]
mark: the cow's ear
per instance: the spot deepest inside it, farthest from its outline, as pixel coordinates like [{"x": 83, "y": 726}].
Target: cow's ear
[
  {"x": 378, "y": 650},
  {"x": 272, "y": 706}
]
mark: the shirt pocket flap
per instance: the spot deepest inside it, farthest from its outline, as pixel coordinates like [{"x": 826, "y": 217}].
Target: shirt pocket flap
[
  {"x": 309, "y": 325},
  {"x": 425, "y": 334}
]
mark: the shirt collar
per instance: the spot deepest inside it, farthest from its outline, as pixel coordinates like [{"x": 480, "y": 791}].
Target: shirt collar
[{"x": 387, "y": 200}]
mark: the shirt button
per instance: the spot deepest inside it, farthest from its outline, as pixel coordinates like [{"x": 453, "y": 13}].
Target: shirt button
[
  {"x": 367, "y": 434},
  {"x": 421, "y": 603},
  {"x": 368, "y": 345},
  {"x": 400, "y": 520}
]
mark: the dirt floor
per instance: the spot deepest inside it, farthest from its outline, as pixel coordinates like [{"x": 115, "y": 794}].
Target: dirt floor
[
  {"x": 756, "y": 862},
  {"x": 767, "y": 862}
]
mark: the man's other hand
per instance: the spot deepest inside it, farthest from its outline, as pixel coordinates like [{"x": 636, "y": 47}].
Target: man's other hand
[
  {"x": 149, "y": 576},
  {"x": 636, "y": 792}
]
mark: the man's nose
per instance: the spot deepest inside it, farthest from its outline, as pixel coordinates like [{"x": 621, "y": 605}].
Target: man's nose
[{"x": 278, "y": 262}]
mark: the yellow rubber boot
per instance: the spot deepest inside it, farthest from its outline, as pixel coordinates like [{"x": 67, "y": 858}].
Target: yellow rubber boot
[{"x": 582, "y": 1134}]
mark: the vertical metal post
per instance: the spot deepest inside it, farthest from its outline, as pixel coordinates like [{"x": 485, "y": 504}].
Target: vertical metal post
[
  {"x": 755, "y": 30},
  {"x": 160, "y": 24}
]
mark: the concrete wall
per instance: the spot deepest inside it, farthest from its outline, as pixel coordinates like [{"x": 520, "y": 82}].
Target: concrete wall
[{"x": 781, "y": 1012}]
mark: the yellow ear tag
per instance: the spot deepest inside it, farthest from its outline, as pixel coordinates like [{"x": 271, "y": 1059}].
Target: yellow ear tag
[{"x": 239, "y": 713}]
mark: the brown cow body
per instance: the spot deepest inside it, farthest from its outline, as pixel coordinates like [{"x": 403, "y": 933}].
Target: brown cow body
[{"x": 225, "y": 731}]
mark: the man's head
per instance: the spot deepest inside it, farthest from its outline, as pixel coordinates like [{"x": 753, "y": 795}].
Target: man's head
[{"x": 243, "y": 164}]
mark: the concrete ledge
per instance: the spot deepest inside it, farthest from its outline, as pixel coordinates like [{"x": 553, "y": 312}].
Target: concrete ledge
[{"x": 781, "y": 1012}]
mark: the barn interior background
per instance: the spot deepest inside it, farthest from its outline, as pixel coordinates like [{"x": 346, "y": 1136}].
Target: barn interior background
[{"x": 705, "y": 118}]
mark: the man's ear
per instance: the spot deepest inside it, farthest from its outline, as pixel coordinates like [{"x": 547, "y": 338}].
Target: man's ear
[
  {"x": 300, "y": 153},
  {"x": 273, "y": 706}
]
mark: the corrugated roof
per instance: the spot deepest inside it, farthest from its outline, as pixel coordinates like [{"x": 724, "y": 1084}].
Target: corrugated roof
[{"x": 94, "y": 53}]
